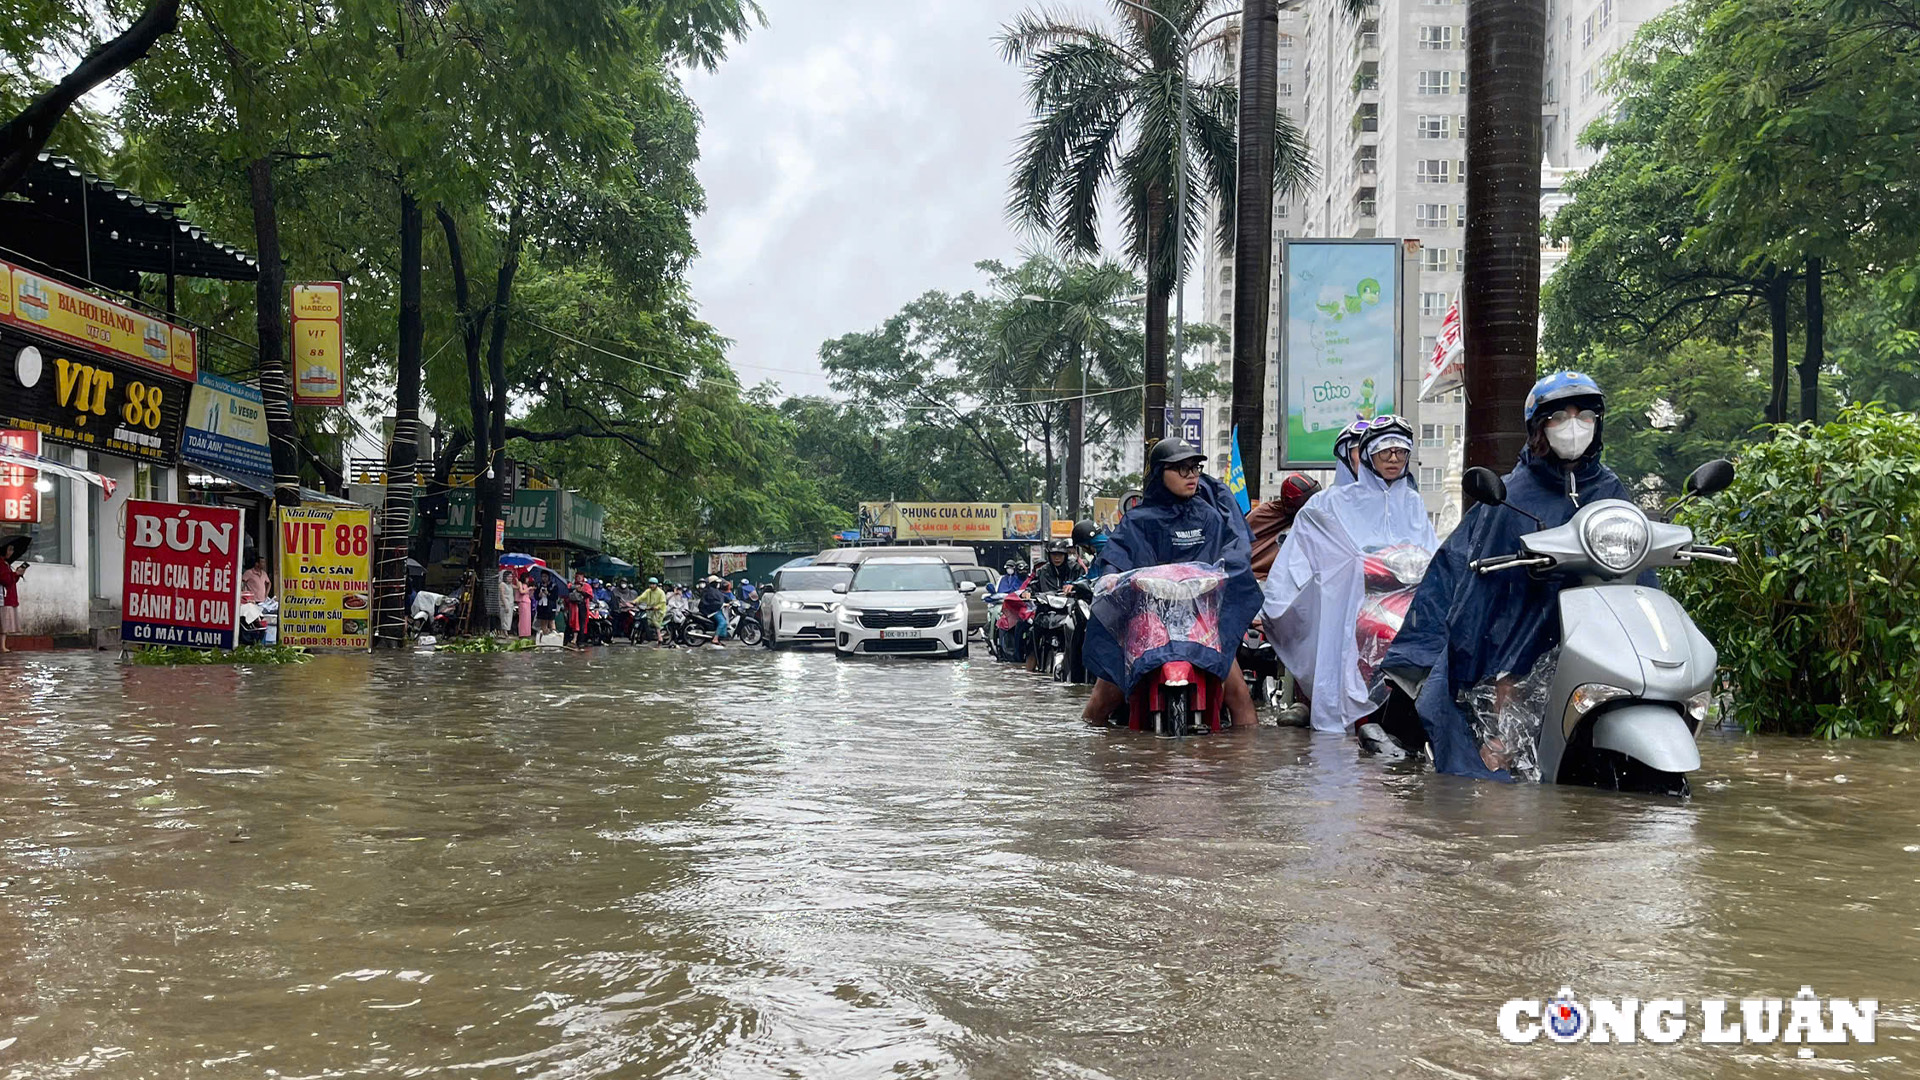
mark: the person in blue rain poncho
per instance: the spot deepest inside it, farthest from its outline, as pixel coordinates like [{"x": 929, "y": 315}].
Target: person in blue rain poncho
[
  {"x": 1316, "y": 588},
  {"x": 1184, "y": 517},
  {"x": 1466, "y": 629}
]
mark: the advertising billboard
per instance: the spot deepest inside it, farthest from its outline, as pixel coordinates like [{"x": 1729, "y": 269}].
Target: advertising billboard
[
  {"x": 951, "y": 521},
  {"x": 1342, "y": 342},
  {"x": 182, "y": 581},
  {"x": 227, "y": 427},
  {"x": 326, "y": 576},
  {"x": 319, "y": 343}
]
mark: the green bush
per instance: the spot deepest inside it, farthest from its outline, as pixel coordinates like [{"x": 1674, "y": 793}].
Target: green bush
[
  {"x": 174, "y": 655},
  {"x": 485, "y": 643},
  {"x": 1819, "y": 626}
]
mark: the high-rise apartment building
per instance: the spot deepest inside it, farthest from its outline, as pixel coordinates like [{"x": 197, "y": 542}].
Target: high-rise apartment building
[{"x": 1381, "y": 101}]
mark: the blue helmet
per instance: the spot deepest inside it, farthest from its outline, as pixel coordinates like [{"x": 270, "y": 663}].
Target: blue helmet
[{"x": 1559, "y": 387}]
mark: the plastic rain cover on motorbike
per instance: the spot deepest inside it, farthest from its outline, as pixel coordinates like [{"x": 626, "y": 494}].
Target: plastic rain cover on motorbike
[
  {"x": 1206, "y": 530},
  {"x": 1506, "y": 714},
  {"x": 1319, "y": 583},
  {"x": 1391, "y": 576},
  {"x": 1161, "y": 613}
]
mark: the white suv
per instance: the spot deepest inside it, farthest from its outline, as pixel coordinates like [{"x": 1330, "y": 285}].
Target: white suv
[{"x": 902, "y": 606}]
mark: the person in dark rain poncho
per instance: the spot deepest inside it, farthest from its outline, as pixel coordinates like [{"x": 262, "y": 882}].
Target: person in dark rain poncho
[
  {"x": 1183, "y": 517},
  {"x": 1468, "y": 629}
]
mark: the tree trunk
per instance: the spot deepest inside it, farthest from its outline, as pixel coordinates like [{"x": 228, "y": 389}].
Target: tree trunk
[
  {"x": 1500, "y": 308},
  {"x": 23, "y": 137},
  {"x": 1777, "y": 298},
  {"x": 484, "y": 613},
  {"x": 1159, "y": 290},
  {"x": 488, "y": 490},
  {"x": 1046, "y": 443},
  {"x": 1253, "y": 233},
  {"x": 1816, "y": 354},
  {"x": 397, "y": 517},
  {"x": 270, "y": 327},
  {"x": 1076, "y": 430}
]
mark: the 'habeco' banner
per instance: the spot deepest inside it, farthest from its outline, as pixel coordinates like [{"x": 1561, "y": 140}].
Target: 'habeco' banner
[
  {"x": 45, "y": 306},
  {"x": 182, "y": 584},
  {"x": 326, "y": 576},
  {"x": 953, "y": 521}
]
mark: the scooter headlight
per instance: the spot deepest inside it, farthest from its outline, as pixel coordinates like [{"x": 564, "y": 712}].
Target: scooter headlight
[
  {"x": 1617, "y": 537},
  {"x": 1593, "y": 695},
  {"x": 1697, "y": 706}
]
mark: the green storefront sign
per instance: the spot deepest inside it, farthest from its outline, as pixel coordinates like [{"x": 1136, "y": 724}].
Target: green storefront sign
[{"x": 535, "y": 516}]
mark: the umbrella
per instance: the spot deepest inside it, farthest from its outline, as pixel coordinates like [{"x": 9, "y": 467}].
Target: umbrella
[
  {"x": 14, "y": 548},
  {"x": 516, "y": 559}
]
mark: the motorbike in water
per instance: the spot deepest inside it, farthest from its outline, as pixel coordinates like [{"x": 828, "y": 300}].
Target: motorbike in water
[
  {"x": 1270, "y": 683},
  {"x": 1392, "y": 575},
  {"x": 1071, "y": 665},
  {"x": 1052, "y": 630},
  {"x": 744, "y": 620},
  {"x": 1153, "y": 612},
  {"x": 1012, "y": 625},
  {"x": 690, "y": 629},
  {"x": 1621, "y": 704}
]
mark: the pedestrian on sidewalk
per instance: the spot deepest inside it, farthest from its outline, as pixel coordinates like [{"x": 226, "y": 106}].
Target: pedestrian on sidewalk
[
  {"x": 10, "y": 574},
  {"x": 523, "y": 603}
]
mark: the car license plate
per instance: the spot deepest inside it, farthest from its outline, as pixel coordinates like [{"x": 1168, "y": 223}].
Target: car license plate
[{"x": 896, "y": 635}]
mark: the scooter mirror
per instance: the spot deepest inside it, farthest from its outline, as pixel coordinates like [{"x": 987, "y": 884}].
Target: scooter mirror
[
  {"x": 1712, "y": 478},
  {"x": 1482, "y": 484}
]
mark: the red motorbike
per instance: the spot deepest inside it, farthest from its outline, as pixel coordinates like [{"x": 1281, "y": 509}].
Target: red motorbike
[{"x": 1154, "y": 607}]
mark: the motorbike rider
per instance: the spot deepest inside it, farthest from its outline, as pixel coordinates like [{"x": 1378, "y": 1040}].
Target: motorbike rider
[
  {"x": 1089, "y": 540},
  {"x": 1318, "y": 583},
  {"x": 1466, "y": 628},
  {"x": 1346, "y": 452},
  {"x": 1060, "y": 570},
  {"x": 1271, "y": 520},
  {"x": 1183, "y": 516},
  {"x": 653, "y": 601},
  {"x": 1014, "y": 612},
  {"x": 1013, "y": 577}
]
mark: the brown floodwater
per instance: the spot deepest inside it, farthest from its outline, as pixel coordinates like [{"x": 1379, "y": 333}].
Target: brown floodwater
[{"x": 736, "y": 864}]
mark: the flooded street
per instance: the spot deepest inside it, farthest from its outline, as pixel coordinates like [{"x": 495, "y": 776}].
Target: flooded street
[{"x": 737, "y": 864}]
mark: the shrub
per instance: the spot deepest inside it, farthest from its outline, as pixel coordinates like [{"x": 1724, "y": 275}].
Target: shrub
[
  {"x": 174, "y": 655},
  {"x": 1819, "y": 626}
]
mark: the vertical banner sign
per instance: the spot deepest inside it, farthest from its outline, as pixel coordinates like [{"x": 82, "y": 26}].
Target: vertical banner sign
[
  {"x": 1341, "y": 348},
  {"x": 19, "y": 498},
  {"x": 1237, "y": 476},
  {"x": 182, "y": 584},
  {"x": 319, "y": 357},
  {"x": 326, "y": 576}
]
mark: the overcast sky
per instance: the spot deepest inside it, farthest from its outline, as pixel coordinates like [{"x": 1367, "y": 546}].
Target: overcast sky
[{"x": 855, "y": 155}]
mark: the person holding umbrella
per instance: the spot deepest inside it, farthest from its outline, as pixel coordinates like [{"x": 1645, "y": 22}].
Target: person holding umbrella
[{"x": 12, "y": 552}]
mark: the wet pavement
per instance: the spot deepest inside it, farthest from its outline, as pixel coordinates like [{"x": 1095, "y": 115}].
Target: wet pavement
[{"x": 638, "y": 863}]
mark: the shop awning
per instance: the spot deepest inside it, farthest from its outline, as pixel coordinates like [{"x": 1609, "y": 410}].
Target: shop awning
[
  {"x": 47, "y": 465},
  {"x": 262, "y": 485}
]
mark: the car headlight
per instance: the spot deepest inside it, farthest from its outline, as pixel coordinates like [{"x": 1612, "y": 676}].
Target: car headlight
[
  {"x": 846, "y": 615},
  {"x": 1617, "y": 537},
  {"x": 959, "y": 612}
]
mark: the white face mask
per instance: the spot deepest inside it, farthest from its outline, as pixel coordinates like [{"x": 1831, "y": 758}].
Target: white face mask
[{"x": 1570, "y": 438}]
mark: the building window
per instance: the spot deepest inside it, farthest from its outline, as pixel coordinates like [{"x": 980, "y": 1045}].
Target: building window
[
  {"x": 1368, "y": 118},
  {"x": 1284, "y": 89},
  {"x": 1436, "y": 37},
  {"x": 1430, "y": 479},
  {"x": 1369, "y": 159},
  {"x": 1460, "y": 214},
  {"x": 1430, "y": 436},
  {"x": 1606, "y": 13},
  {"x": 1436, "y": 83},
  {"x": 50, "y": 534},
  {"x": 1280, "y": 211},
  {"x": 1457, "y": 397},
  {"x": 1586, "y": 32},
  {"x": 1433, "y": 305},
  {"x": 1430, "y": 215},
  {"x": 1436, "y": 260},
  {"x": 1285, "y": 67},
  {"x": 1433, "y": 171},
  {"x": 1286, "y": 41},
  {"x": 1586, "y": 84},
  {"x": 1427, "y": 344},
  {"x": 1436, "y": 126}
]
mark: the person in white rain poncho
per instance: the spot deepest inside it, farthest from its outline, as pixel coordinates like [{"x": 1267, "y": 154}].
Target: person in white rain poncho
[{"x": 1315, "y": 591}]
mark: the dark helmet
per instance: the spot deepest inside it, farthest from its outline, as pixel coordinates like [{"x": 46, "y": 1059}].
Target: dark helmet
[
  {"x": 1085, "y": 534},
  {"x": 1059, "y": 547},
  {"x": 1297, "y": 488},
  {"x": 1172, "y": 452}
]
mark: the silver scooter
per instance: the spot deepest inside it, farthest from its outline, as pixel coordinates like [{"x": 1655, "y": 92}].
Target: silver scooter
[{"x": 1635, "y": 677}]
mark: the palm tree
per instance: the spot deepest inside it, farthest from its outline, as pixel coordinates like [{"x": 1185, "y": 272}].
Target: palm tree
[
  {"x": 1253, "y": 241},
  {"x": 1500, "y": 309},
  {"x": 1067, "y": 333},
  {"x": 1107, "y": 112}
]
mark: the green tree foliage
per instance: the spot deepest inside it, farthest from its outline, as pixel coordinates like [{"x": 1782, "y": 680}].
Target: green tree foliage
[
  {"x": 1816, "y": 627},
  {"x": 1107, "y": 114}
]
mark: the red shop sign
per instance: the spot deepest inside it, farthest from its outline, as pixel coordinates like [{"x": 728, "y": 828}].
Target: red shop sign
[
  {"x": 19, "y": 498},
  {"x": 182, "y": 584}
]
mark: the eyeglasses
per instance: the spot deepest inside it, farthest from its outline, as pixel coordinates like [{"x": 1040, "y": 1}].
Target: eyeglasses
[
  {"x": 1398, "y": 453},
  {"x": 1189, "y": 468},
  {"x": 1561, "y": 416}
]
